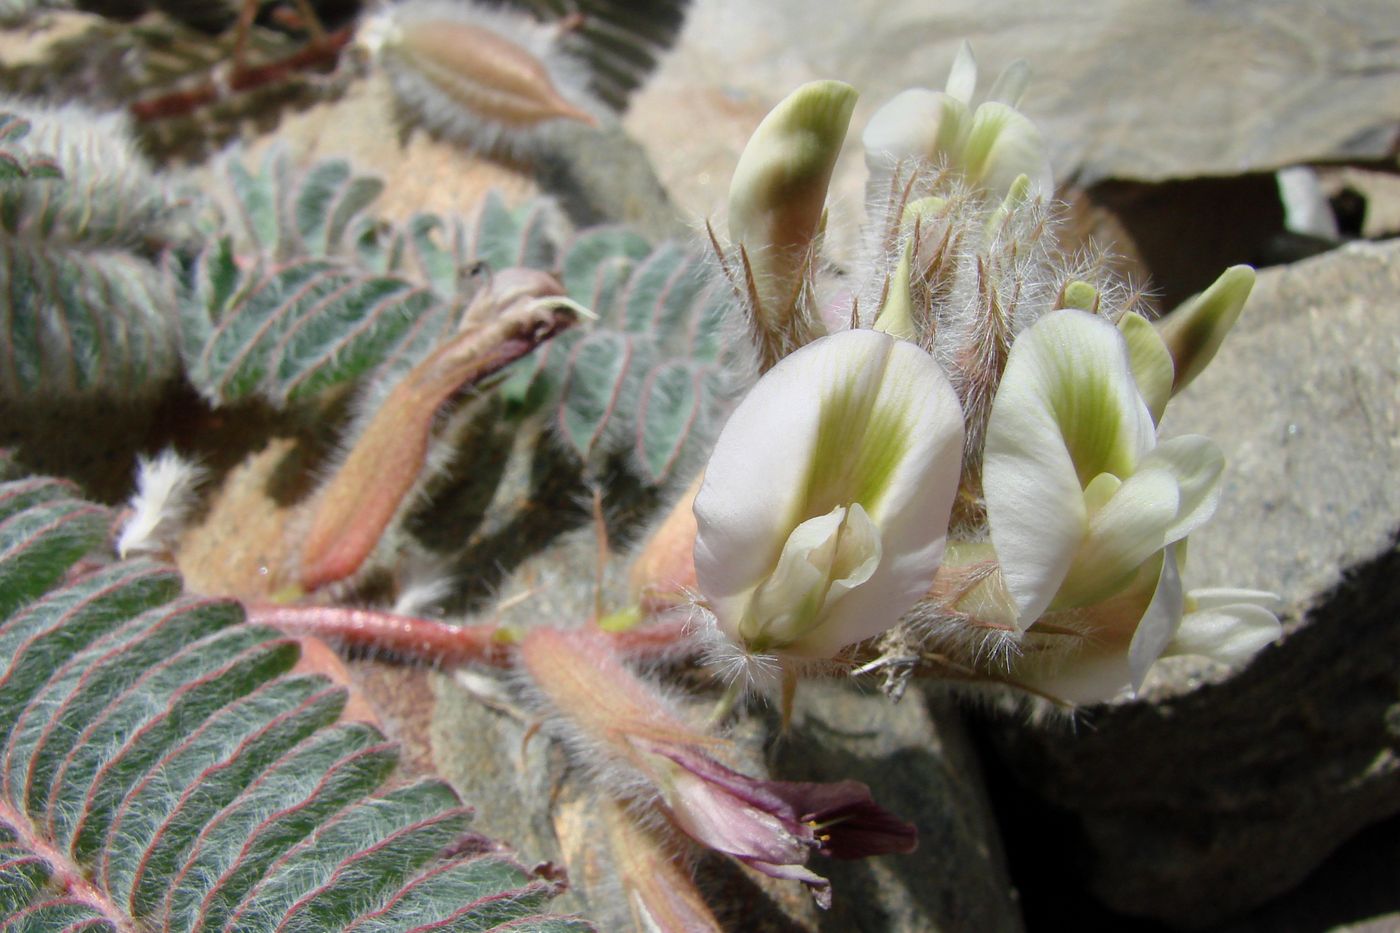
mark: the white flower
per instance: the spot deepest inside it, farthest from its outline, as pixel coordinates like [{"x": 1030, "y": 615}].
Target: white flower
[
  {"x": 824, "y": 508},
  {"x": 1088, "y": 514},
  {"x": 1080, "y": 495},
  {"x": 990, "y": 146}
]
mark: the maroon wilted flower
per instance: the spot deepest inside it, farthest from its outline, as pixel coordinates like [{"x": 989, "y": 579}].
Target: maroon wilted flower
[{"x": 772, "y": 826}]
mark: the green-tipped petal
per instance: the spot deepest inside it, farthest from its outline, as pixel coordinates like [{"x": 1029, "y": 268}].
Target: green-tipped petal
[
  {"x": 779, "y": 188},
  {"x": 1067, "y": 410},
  {"x": 1152, "y": 363},
  {"x": 1197, "y": 464},
  {"x": 1002, "y": 143},
  {"x": 1069, "y": 379},
  {"x": 1195, "y": 330}
]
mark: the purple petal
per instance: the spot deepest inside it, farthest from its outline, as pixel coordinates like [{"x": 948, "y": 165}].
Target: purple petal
[
  {"x": 848, "y": 822},
  {"x": 752, "y": 791}
]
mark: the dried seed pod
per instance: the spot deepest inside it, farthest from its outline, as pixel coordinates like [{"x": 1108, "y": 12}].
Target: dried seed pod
[{"x": 495, "y": 81}]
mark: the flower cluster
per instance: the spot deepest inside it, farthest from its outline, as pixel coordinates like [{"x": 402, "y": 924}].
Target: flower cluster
[{"x": 989, "y": 386}]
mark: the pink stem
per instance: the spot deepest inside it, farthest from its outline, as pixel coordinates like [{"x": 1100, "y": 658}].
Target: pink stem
[
  {"x": 439, "y": 643},
  {"x": 418, "y": 639}
]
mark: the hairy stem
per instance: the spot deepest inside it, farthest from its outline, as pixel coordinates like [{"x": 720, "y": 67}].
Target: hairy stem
[
  {"x": 416, "y": 639},
  {"x": 318, "y": 54},
  {"x": 441, "y": 643}
]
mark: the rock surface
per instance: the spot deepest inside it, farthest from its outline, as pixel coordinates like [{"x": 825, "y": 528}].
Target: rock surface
[
  {"x": 1191, "y": 807},
  {"x": 917, "y": 759},
  {"x": 1121, "y": 89}
]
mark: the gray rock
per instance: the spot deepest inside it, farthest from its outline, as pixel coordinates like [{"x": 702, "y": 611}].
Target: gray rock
[
  {"x": 1195, "y": 805},
  {"x": 1121, "y": 88},
  {"x": 919, "y": 763}
]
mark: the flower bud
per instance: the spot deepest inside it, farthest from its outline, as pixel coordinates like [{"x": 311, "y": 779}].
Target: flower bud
[
  {"x": 897, "y": 314},
  {"x": 776, "y": 204},
  {"x": 989, "y": 147},
  {"x": 1195, "y": 330}
]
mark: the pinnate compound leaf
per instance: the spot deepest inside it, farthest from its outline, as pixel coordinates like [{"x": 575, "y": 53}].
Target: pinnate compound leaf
[
  {"x": 78, "y": 322},
  {"x": 162, "y": 767},
  {"x": 598, "y": 367},
  {"x": 87, "y": 307},
  {"x": 304, "y": 327},
  {"x": 257, "y": 196},
  {"x": 285, "y": 214},
  {"x": 331, "y": 198},
  {"x": 15, "y": 161},
  {"x": 93, "y": 190},
  {"x": 595, "y": 258},
  {"x": 651, "y": 375},
  {"x": 39, "y": 544},
  {"x": 673, "y": 399},
  {"x": 644, "y": 306},
  {"x": 620, "y": 43},
  {"x": 503, "y": 238},
  {"x": 314, "y": 292}
]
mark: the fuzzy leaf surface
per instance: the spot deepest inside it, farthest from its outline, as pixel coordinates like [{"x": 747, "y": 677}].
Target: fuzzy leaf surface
[
  {"x": 87, "y": 304},
  {"x": 15, "y": 162},
  {"x": 311, "y": 291},
  {"x": 77, "y": 322},
  {"x": 162, "y": 766},
  {"x": 650, "y": 377}
]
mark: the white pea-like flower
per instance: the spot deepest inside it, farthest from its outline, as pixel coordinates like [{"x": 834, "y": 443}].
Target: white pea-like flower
[
  {"x": 1087, "y": 511},
  {"x": 990, "y": 146},
  {"x": 824, "y": 509},
  {"x": 1080, "y": 493}
]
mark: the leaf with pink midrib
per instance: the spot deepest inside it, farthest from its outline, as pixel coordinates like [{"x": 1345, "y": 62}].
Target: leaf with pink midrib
[{"x": 162, "y": 768}]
